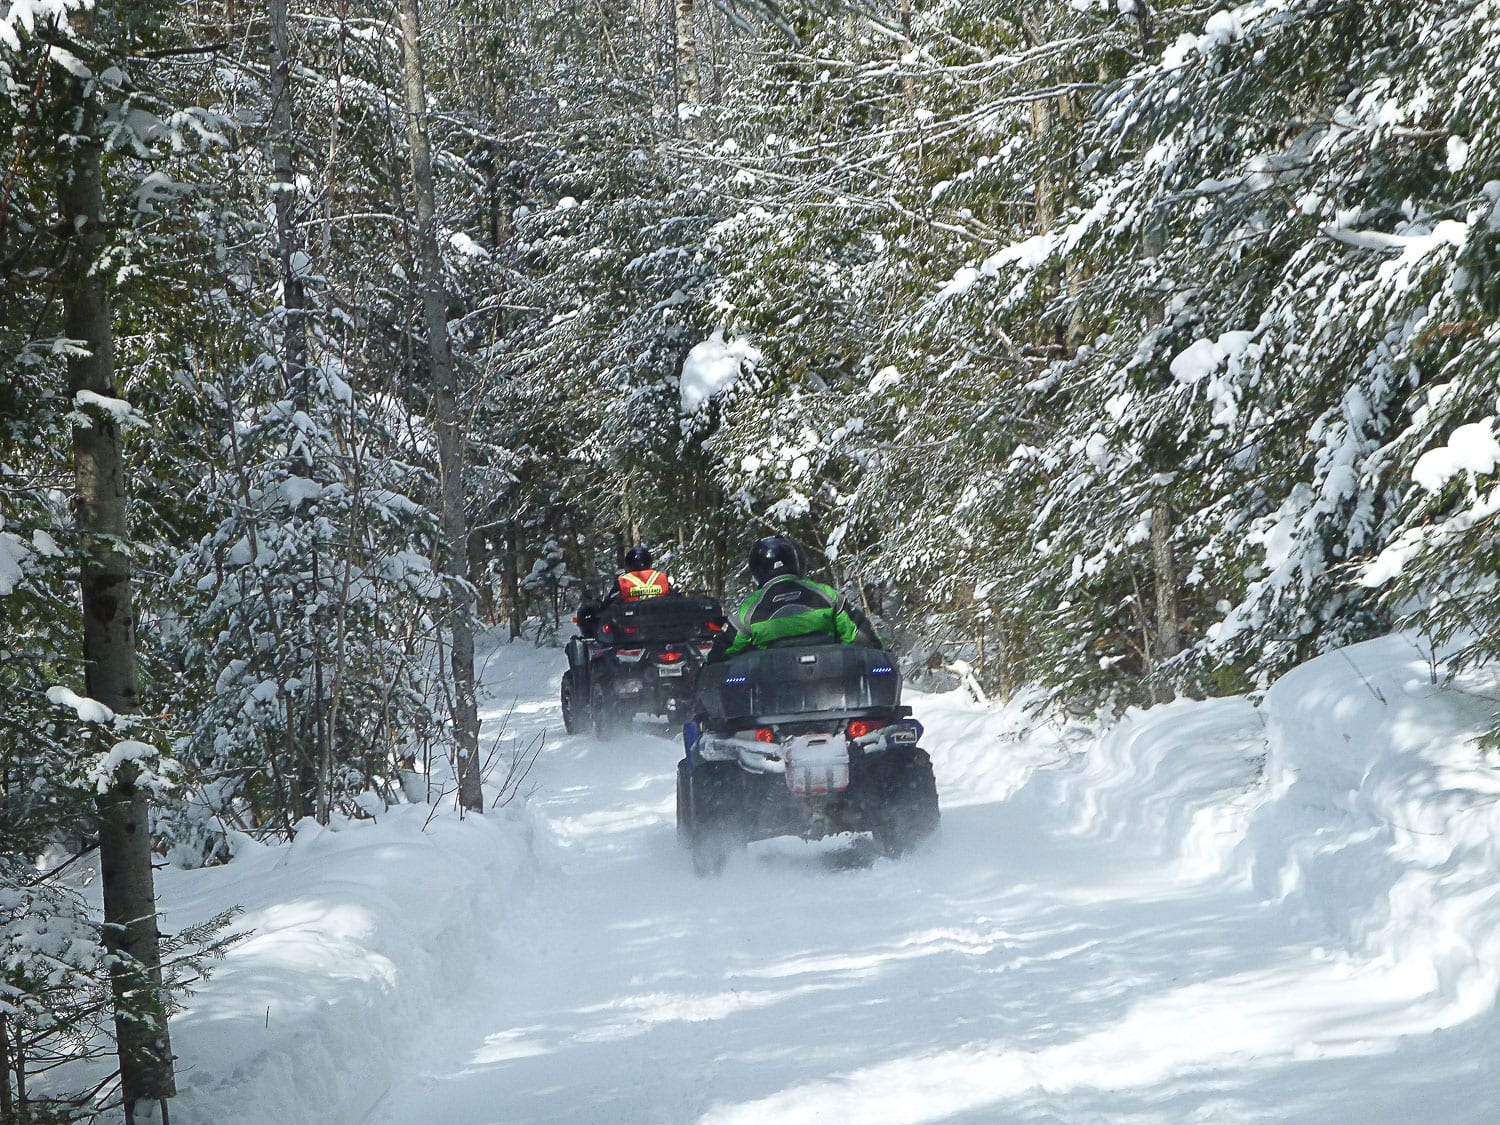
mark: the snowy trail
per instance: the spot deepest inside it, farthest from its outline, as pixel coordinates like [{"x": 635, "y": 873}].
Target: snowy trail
[{"x": 1037, "y": 964}]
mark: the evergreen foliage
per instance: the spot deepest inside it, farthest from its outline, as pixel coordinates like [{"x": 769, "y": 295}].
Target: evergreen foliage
[{"x": 1117, "y": 349}]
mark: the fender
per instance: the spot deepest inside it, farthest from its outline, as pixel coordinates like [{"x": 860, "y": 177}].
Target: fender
[{"x": 578, "y": 657}]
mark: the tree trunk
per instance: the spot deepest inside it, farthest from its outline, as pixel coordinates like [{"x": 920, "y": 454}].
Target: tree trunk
[
  {"x": 907, "y": 86},
  {"x": 109, "y": 650},
  {"x": 7, "y": 1099},
  {"x": 310, "y": 797},
  {"x": 689, "y": 90},
  {"x": 1168, "y": 642},
  {"x": 284, "y": 185},
  {"x": 510, "y": 581},
  {"x": 446, "y": 420}
]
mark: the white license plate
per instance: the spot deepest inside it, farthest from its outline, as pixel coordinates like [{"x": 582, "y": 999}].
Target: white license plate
[{"x": 670, "y": 669}]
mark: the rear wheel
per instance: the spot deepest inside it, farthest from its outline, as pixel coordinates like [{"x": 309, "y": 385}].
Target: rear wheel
[
  {"x": 715, "y": 800},
  {"x": 908, "y": 804},
  {"x": 603, "y": 714},
  {"x": 575, "y": 709},
  {"x": 684, "y": 821}
]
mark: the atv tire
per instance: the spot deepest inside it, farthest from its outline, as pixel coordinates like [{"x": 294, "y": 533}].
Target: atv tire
[
  {"x": 712, "y": 797},
  {"x": 907, "y": 813},
  {"x": 603, "y": 714},
  {"x": 684, "y": 823},
  {"x": 575, "y": 710}
]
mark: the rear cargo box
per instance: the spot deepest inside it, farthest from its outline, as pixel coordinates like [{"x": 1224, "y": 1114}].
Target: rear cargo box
[
  {"x": 672, "y": 617},
  {"x": 797, "y": 681}
]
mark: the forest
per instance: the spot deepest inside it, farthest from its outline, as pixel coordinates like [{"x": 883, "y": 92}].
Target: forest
[{"x": 1123, "y": 351}]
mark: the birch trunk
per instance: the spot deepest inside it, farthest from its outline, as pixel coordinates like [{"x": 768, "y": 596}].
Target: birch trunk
[
  {"x": 445, "y": 418},
  {"x": 689, "y": 91},
  {"x": 130, "y": 924}
]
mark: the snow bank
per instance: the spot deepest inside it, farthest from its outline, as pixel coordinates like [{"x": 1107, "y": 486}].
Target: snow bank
[
  {"x": 1172, "y": 783},
  {"x": 1354, "y": 797},
  {"x": 361, "y": 936},
  {"x": 1381, "y": 821}
]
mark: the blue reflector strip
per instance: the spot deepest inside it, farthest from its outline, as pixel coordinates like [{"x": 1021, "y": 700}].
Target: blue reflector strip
[
  {"x": 884, "y": 668},
  {"x": 736, "y": 679}
]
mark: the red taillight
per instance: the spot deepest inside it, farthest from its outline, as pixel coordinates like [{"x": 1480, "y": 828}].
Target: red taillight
[
  {"x": 714, "y": 626},
  {"x": 858, "y": 728},
  {"x": 629, "y": 630},
  {"x": 670, "y": 657},
  {"x": 765, "y": 734}
]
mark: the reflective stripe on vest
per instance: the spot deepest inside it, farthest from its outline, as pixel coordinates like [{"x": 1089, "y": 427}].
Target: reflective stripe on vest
[{"x": 638, "y": 584}]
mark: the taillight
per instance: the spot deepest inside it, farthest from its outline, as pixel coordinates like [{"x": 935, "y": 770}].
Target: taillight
[
  {"x": 670, "y": 657},
  {"x": 858, "y": 728},
  {"x": 714, "y": 626},
  {"x": 630, "y": 630},
  {"x": 765, "y": 734}
]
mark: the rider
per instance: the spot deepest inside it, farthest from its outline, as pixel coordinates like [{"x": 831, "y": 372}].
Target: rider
[
  {"x": 789, "y": 605},
  {"x": 639, "y": 581}
]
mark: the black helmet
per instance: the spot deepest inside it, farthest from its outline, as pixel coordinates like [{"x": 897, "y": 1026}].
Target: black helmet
[
  {"x": 772, "y": 557},
  {"x": 637, "y": 558}
]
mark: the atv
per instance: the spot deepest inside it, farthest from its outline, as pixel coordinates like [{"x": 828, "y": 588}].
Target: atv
[
  {"x": 806, "y": 738},
  {"x": 640, "y": 656}
]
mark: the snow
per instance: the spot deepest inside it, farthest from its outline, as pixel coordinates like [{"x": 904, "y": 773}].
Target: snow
[
  {"x": 13, "y": 553},
  {"x": 142, "y": 755},
  {"x": 27, "y": 14},
  {"x": 712, "y": 367},
  {"x": 88, "y": 710},
  {"x": 466, "y": 246},
  {"x": 1202, "y": 361},
  {"x": 1212, "y": 911},
  {"x": 1203, "y": 357},
  {"x": 1222, "y": 29},
  {"x": 117, "y": 410},
  {"x": 1458, "y": 153},
  {"x": 1471, "y": 448},
  {"x": 296, "y": 491}
]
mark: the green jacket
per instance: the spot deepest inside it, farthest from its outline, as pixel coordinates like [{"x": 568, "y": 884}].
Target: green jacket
[{"x": 790, "y": 606}]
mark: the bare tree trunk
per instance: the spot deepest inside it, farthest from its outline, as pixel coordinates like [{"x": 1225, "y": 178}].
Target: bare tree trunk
[
  {"x": 284, "y": 185},
  {"x": 109, "y": 651},
  {"x": 1046, "y": 203},
  {"x": 510, "y": 581},
  {"x": 7, "y": 1098},
  {"x": 480, "y": 554},
  {"x": 904, "y": 8},
  {"x": 1164, "y": 566},
  {"x": 689, "y": 89},
  {"x": 309, "y": 799},
  {"x": 445, "y": 416}
]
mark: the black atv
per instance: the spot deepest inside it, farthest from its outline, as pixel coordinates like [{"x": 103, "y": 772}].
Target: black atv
[
  {"x": 630, "y": 657},
  {"x": 806, "y": 739}
]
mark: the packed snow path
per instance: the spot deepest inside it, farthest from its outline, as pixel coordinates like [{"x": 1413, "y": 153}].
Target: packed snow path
[{"x": 1078, "y": 946}]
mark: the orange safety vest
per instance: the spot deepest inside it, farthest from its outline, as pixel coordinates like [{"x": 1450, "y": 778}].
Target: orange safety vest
[{"x": 638, "y": 584}]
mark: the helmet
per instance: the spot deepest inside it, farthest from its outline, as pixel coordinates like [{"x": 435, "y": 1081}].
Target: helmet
[
  {"x": 772, "y": 557},
  {"x": 637, "y": 558}
]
